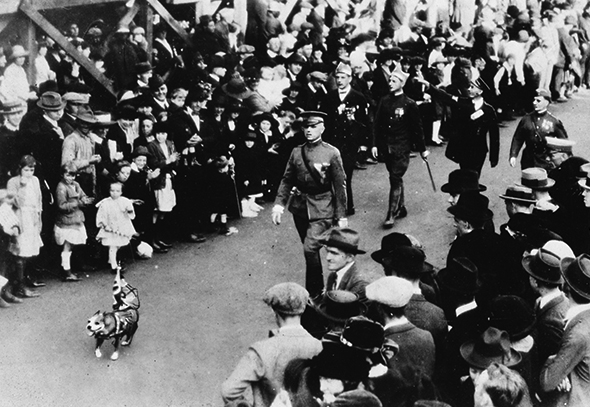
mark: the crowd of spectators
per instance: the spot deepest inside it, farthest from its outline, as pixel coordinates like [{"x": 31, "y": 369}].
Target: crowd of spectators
[{"x": 198, "y": 136}]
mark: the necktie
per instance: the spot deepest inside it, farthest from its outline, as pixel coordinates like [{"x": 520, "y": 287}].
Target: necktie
[{"x": 331, "y": 283}]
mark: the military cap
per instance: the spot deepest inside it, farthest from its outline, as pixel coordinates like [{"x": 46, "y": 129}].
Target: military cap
[
  {"x": 543, "y": 93},
  {"x": 344, "y": 68},
  {"x": 313, "y": 117},
  {"x": 287, "y": 298}
]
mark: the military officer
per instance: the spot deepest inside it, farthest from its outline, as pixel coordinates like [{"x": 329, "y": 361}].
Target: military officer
[
  {"x": 532, "y": 131},
  {"x": 314, "y": 187}
]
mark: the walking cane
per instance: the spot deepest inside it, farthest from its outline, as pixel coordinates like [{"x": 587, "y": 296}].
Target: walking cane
[{"x": 429, "y": 173}]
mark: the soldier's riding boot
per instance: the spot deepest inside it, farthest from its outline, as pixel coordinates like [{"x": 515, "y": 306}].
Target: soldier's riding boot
[
  {"x": 392, "y": 207},
  {"x": 3, "y": 303},
  {"x": 21, "y": 289},
  {"x": 7, "y": 295}
]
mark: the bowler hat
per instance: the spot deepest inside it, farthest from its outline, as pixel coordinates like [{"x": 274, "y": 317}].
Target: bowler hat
[
  {"x": 576, "y": 273},
  {"x": 296, "y": 58},
  {"x": 389, "y": 243},
  {"x": 460, "y": 276},
  {"x": 492, "y": 346},
  {"x": 344, "y": 239},
  {"x": 407, "y": 261},
  {"x": 12, "y": 106},
  {"x": 472, "y": 207},
  {"x": 339, "y": 305},
  {"x": 142, "y": 67},
  {"x": 536, "y": 179},
  {"x": 287, "y": 298},
  {"x": 156, "y": 82},
  {"x": 462, "y": 180},
  {"x": 236, "y": 88},
  {"x": 543, "y": 266},
  {"x": 520, "y": 194},
  {"x": 51, "y": 101},
  {"x": 512, "y": 314}
]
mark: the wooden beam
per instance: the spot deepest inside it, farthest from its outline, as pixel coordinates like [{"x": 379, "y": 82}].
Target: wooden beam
[
  {"x": 58, "y": 37},
  {"x": 130, "y": 15},
  {"x": 31, "y": 45},
  {"x": 166, "y": 16},
  {"x": 149, "y": 29},
  {"x": 287, "y": 10},
  {"x": 50, "y": 4}
]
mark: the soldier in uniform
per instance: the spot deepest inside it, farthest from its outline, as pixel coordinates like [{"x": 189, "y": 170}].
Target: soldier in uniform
[
  {"x": 397, "y": 127},
  {"x": 532, "y": 131},
  {"x": 314, "y": 187}
]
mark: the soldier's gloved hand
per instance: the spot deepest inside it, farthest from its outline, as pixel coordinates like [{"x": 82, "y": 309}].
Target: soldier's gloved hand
[
  {"x": 277, "y": 211},
  {"x": 565, "y": 386},
  {"x": 424, "y": 154},
  {"x": 374, "y": 152},
  {"x": 512, "y": 161},
  {"x": 343, "y": 223}
]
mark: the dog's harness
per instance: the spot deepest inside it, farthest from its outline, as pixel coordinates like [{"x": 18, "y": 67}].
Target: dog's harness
[{"x": 123, "y": 319}]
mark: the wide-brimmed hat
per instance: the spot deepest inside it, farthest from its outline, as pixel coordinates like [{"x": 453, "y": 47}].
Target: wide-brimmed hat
[
  {"x": 536, "y": 179},
  {"x": 18, "y": 51},
  {"x": 344, "y": 239},
  {"x": 407, "y": 261},
  {"x": 51, "y": 101},
  {"x": 472, "y": 207},
  {"x": 460, "y": 276},
  {"x": 492, "y": 346},
  {"x": 257, "y": 118},
  {"x": 86, "y": 116},
  {"x": 462, "y": 180},
  {"x": 576, "y": 273},
  {"x": 388, "y": 243},
  {"x": 585, "y": 183},
  {"x": 512, "y": 314},
  {"x": 236, "y": 88},
  {"x": 294, "y": 86},
  {"x": 543, "y": 266},
  {"x": 363, "y": 333},
  {"x": 12, "y": 106},
  {"x": 519, "y": 193},
  {"x": 339, "y": 305},
  {"x": 338, "y": 361},
  {"x": 103, "y": 119},
  {"x": 140, "y": 151}
]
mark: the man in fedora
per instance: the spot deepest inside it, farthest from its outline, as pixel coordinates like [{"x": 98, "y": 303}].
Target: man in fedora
[
  {"x": 461, "y": 180},
  {"x": 341, "y": 250},
  {"x": 397, "y": 130},
  {"x": 566, "y": 371},
  {"x": 313, "y": 189},
  {"x": 347, "y": 123},
  {"x": 532, "y": 131},
  {"x": 331, "y": 312},
  {"x": 10, "y": 139},
  {"x": 538, "y": 181},
  {"x": 262, "y": 368},
  {"x": 413, "y": 366}
]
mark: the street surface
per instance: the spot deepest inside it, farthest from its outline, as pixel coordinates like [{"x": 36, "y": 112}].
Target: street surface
[{"x": 201, "y": 303}]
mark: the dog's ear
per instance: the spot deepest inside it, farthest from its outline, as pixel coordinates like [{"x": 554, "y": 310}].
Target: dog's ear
[{"x": 97, "y": 312}]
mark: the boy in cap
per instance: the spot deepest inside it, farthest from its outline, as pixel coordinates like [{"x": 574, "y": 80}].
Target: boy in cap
[
  {"x": 262, "y": 368},
  {"x": 414, "y": 363},
  {"x": 314, "y": 185},
  {"x": 397, "y": 128}
]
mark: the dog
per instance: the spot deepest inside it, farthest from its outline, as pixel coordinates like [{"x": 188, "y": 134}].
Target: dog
[{"x": 119, "y": 323}]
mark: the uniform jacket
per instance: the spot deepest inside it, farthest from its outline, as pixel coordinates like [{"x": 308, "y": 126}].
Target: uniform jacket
[
  {"x": 398, "y": 125},
  {"x": 531, "y": 131},
  {"x": 573, "y": 361},
  {"x": 353, "y": 280},
  {"x": 313, "y": 201},
  {"x": 263, "y": 366},
  {"x": 333, "y": 107}
]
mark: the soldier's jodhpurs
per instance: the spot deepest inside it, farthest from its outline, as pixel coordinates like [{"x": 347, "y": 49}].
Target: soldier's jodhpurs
[
  {"x": 397, "y": 165},
  {"x": 309, "y": 232}
]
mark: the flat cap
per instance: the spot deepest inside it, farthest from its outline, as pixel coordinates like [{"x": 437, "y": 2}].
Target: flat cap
[
  {"x": 394, "y": 292},
  {"x": 560, "y": 144},
  {"x": 287, "y": 298},
  {"x": 74, "y": 97},
  {"x": 356, "y": 398},
  {"x": 318, "y": 76}
]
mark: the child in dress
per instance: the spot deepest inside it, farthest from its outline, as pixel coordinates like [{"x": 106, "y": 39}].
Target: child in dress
[
  {"x": 27, "y": 243},
  {"x": 222, "y": 194},
  {"x": 114, "y": 221},
  {"x": 69, "y": 229}
]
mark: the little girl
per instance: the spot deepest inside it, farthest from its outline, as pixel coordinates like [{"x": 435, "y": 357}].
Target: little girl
[
  {"x": 114, "y": 221},
  {"x": 222, "y": 195},
  {"x": 69, "y": 227}
]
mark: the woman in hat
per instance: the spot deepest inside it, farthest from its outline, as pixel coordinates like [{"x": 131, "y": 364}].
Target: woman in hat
[
  {"x": 10, "y": 142},
  {"x": 15, "y": 85},
  {"x": 249, "y": 163}
]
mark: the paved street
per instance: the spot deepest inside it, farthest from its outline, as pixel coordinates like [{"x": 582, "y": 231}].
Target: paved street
[{"x": 200, "y": 303}]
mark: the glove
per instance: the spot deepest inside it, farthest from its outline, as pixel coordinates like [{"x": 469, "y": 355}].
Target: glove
[
  {"x": 277, "y": 211},
  {"x": 343, "y": 223}
]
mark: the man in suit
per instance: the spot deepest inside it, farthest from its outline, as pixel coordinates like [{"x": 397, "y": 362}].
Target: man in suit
[
  {"x": 567, "y": 372},
  {"x": 262, "y": 368},
  {"x": 396, "y": 130},
  {"x": 314, "y": 185},
  {"x": 412, "y": 368},
  {"x": 341, "y": 250},
  {"x": 347, "y": 123}
]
